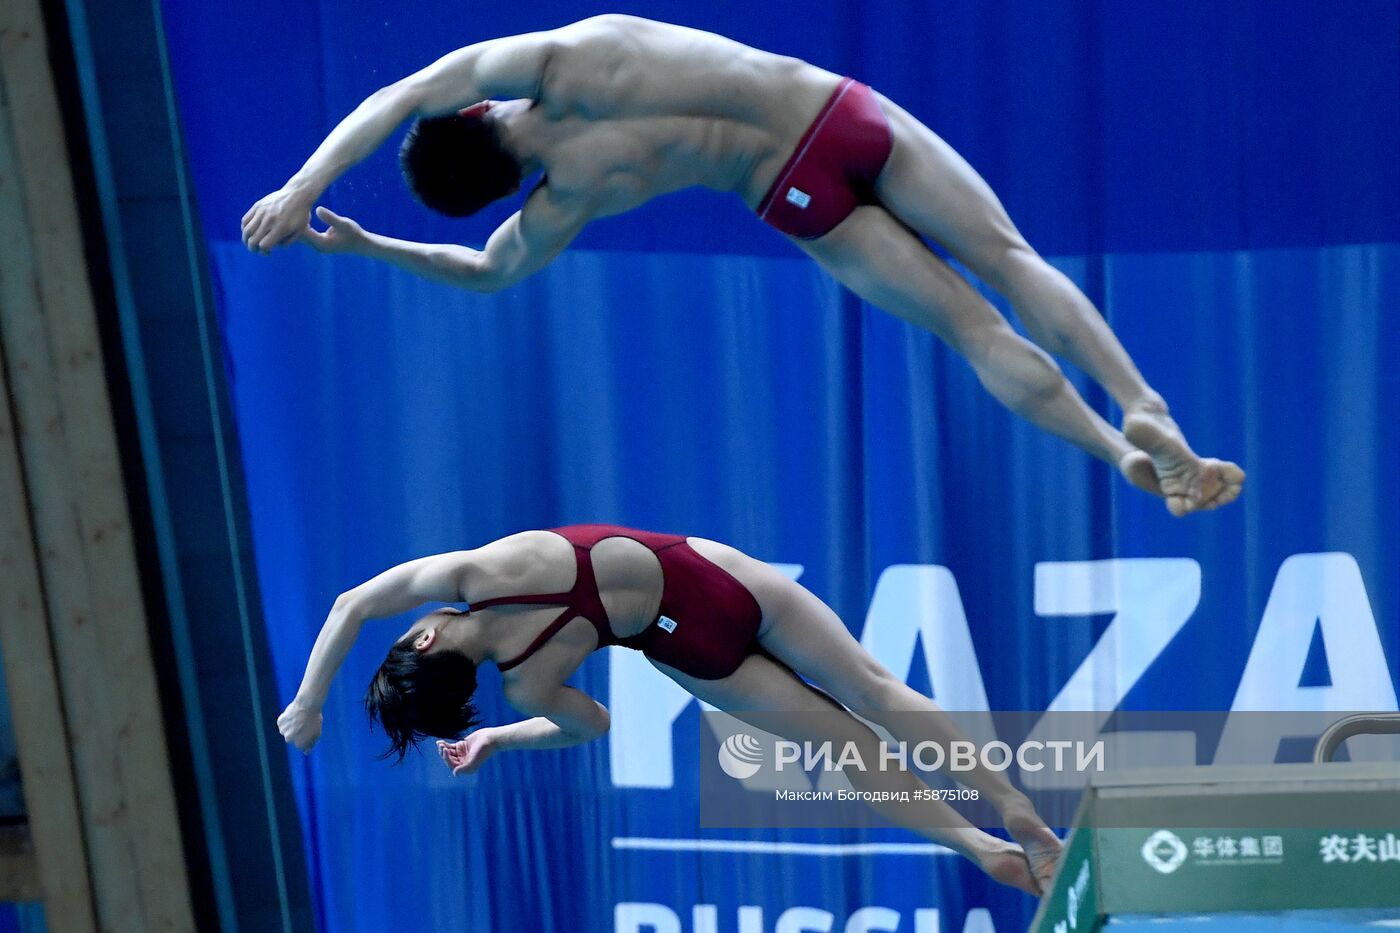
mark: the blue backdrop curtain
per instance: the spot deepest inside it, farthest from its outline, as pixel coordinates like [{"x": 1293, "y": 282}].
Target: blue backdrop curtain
[{"x": 1221, "y": 178}]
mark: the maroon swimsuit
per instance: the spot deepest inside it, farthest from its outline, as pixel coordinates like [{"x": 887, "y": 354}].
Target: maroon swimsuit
[
  {"x": 707, "y": 624},
  {"x": 834, "y": 167}
]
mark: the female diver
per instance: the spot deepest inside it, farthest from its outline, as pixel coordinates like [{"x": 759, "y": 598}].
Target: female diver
[{"x": 730, "y": 629}]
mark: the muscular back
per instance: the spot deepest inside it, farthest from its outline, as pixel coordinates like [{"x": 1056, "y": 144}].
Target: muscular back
[
  {"x": 617, "y": 66},
  {"x": 629, "y": 108}
]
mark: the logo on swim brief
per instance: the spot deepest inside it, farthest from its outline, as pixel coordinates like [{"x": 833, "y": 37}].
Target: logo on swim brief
[
  {"x": 740, "y": 756},
  {"x": 1164, "y": 851},
  {"x": 667, "y": 623},
  {"x": 799, "y": 197}
]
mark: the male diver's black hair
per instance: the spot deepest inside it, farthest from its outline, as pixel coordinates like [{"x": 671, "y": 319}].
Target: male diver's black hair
[
  {"x": 417, "y": 694},
  {"x": 456, "y": 165}
]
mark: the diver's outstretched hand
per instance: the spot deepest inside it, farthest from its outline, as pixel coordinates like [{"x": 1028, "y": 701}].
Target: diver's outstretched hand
[
  {"x": 300, "y": 724},
  {"x": 467, "y": 755},
  {"x": 276, "y": 220},
  {"x": 342, "y": 235}
]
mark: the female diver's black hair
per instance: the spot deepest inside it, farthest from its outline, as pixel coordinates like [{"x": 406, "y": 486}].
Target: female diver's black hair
[{"x": 417, "y": 694}]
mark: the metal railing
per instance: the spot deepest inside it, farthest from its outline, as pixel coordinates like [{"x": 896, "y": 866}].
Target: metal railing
[{"x": 1360, "y": 724}]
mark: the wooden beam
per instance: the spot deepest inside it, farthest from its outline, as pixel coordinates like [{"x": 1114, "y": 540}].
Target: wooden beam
[
  {"x": 72, "y": 478},
  {"x": 31, "y": 675}
]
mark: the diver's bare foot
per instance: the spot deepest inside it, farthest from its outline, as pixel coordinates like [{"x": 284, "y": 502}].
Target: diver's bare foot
[
  {"x": 1188, "y": 482},
  {"x": 1038, "y": 842},
  {"x": 1009, "y": 866},
  {"x": 1136, "y": 467}
]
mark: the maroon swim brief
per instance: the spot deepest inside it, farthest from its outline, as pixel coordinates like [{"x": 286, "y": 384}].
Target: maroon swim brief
[{"x": 833, "y": 169}]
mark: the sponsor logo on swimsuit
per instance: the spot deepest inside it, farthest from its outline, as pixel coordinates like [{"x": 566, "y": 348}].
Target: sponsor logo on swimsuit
[
  {"x": 1164, "y": 851},
  {"x": 667, "y": 623},
  {"x": 799, "y": 197},
  {"x": 740, "y": 756}
]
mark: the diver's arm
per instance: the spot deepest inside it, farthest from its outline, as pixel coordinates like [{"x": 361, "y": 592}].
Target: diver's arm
[
  {"x": 564, "y": 716},
  {"x": 531, "y": 238},
  {"x": 467, "y": 755},
  {"x": 447, "y": 263},
  {"x": 509, "y": 67},
  {"x": 567, "y": 717},
  {"x": 440, "y": 578},
  {"x": 524, "y": 243}
]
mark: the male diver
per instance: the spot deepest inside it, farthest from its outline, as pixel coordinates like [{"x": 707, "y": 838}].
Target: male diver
[{"x": 615, "y": 110}]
